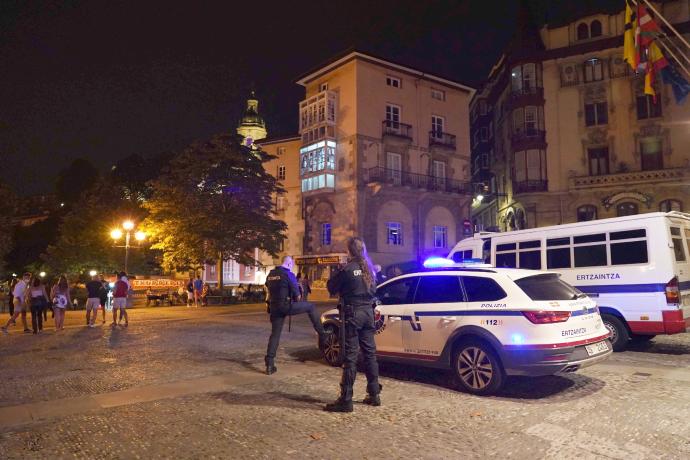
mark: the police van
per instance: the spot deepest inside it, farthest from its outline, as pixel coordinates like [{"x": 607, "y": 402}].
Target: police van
[
  {"x": 484, "y": 323},
  {"x": 637, "y": 268}
]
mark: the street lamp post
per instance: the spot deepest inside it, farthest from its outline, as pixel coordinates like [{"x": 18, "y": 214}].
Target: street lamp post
[{"x": 116, "y": 234}]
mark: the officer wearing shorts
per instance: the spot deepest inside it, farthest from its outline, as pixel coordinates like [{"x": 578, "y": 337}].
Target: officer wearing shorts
[
  {"x": 283, "y": 301},
  {"x": 355, "y": 284}
]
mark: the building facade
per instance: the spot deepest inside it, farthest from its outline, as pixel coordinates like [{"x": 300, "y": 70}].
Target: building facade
[
  {"x": 383, "y": 153},
  {"x": 563, "y": 132}
]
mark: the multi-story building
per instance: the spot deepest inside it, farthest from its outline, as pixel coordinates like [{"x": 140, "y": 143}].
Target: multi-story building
[
  {"x": 562, "y": 130},
  {"x": 382, "y": 152}
]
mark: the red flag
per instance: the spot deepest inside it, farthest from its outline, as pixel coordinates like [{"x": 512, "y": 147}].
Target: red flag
[{"x": 648, "y": 27}]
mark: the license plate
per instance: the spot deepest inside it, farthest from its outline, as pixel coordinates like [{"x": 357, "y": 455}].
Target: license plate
[{"x": 596, "y": 348}]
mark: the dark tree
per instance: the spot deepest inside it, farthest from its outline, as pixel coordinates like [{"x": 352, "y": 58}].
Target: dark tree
[
  {"x": 132, "y": 175},
  {"x": 8, "y": 202},
  {"x": 73, "y": 181},
  {"x": 214, "y": 202}
]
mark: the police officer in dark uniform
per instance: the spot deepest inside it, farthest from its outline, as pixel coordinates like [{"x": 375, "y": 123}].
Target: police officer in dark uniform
[
  {"x": 355, "y": 283},
  {"x": 284, "y": 300}
]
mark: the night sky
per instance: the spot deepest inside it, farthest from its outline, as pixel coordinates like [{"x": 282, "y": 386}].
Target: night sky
[{"x": 103, "y": 79}]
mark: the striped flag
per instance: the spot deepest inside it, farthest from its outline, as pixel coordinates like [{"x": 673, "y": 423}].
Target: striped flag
[{"x": 647, "y": 26}]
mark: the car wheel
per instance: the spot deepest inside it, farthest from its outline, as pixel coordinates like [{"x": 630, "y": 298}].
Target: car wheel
[
  {"x": 619, "y": 332},
  {"x": 331, "y": 349},
  {"x": 641, "y": 338},
  {"x": 477, "y": 368}
]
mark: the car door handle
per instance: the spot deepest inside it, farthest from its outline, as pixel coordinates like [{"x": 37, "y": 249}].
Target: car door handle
[
  {"x": 394, "y": 318},
  {"x": 448, "y": 319}
]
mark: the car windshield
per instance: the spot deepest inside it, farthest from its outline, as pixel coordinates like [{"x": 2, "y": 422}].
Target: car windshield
[{"x": 548, "y": 287}]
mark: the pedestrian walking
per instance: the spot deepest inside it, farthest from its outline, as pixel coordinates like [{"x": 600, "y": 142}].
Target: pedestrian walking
[
  {"x": 198, "y": 286},
  {"x": 304, "y": 285},
  {"x": 355, "y": 284},
  {"x": 10, "y": 296},
  {"x": 120, "y": 291},
  {"x": 103, "y": 296},
  {"x": 61, "y": 300},
  {"x": 19, "y": 298},
  {"x": 37, "y": 298},
  {"x": 283, "y": 301},
  {"x": 190, "y": 291},
  {"x": 94, "y": 289}
]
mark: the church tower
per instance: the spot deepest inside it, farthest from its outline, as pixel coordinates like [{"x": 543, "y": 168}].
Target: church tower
[{"x": 252, "y": 126}]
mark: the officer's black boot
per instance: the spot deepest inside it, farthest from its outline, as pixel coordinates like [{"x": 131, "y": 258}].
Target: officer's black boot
[
  {"x": 343, "y": 403},
  {"x": 270, "y": 366},
  {"x": 373, "y": 399}
]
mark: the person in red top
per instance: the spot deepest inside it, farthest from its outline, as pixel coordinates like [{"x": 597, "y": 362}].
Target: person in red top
[{"x": 120, "y": 299}]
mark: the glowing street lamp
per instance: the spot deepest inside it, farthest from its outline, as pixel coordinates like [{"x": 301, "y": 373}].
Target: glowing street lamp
[
  {"x": 42, "y": 274},
  {"x": 93, "y": 273},
  {"x": 117, "y": 233}
]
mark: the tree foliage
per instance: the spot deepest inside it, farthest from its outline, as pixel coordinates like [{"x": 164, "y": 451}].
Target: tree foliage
[
  {"x": 214, "y": 200},
  {"x": 131, "y": 175},
  {"x": 74, "y": 180},
  {"x": 84, "y": 243}
]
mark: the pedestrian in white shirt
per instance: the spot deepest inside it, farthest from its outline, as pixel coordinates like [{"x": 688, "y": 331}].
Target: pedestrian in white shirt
[{"x": 19, "y": 294}]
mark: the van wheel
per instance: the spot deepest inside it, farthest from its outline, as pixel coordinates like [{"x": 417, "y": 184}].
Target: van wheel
[
  {"x": 331, "y": 349},
  {"x": 477, "y": 368},
  {"x": 618, "y": 330}
]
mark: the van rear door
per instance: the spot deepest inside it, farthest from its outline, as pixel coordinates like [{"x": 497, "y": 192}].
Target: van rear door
[
  {"x": 680, "y": 239},
  {"x": 680, "y": 242}
]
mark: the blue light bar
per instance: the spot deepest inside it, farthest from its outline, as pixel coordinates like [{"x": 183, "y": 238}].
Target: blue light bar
[{"x": 438, "y": 262}]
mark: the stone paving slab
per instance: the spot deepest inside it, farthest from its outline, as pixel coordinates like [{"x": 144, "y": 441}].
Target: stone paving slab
[{"x": 187, "y": 386}]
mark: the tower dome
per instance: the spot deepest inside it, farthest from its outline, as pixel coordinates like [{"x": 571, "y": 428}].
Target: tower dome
[{"x": 252, "y": 126}]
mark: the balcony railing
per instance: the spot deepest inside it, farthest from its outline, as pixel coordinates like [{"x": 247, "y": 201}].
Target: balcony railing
[
  {"x": 442, "y": 139},
  {"x": 529, "y": 186},
  {"x": 525, "y": 91},
  {"x": 397, "y": 177},
  {"x": 630, "y": 178},
  {"x": 529, "y": 135},
  {"x": 395, "y": 128}
]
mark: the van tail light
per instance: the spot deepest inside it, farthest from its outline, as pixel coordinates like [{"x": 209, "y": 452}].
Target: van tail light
[
  {"x": 547, "y": 317},
  {"x": 672, "y": 291}
]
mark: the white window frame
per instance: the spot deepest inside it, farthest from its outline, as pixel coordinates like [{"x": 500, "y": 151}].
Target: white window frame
[
  {"x": 394, "y": 167},
  {"x": 593, "y": 70},
  {"x": 394, "y": 226},
  {"x": 437, "y": 121},
  {"x": 438, "y": 94},
  {"x": 393, "y": 113},
  {"x": 394, "y": 82},
  {"x": 281, "y": 172},
  {"x": 442, "y": 231},
  {"x": 323, "y": 86}
]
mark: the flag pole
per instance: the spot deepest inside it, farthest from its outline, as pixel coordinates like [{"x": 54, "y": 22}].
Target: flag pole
[
  {"x": 651, "y": 7},
  {"x": 680, "y": 64}
]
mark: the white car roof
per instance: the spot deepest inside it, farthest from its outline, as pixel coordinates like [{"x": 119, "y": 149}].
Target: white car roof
[{"x": 511, "y": 273}]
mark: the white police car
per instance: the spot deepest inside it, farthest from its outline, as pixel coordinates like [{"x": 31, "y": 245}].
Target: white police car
[{"x": 483, "y": 323}]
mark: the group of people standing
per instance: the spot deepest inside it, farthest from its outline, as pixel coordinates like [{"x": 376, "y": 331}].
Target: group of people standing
[
  {"x": 29, "y": 294},
  {"x": 355, "y": 285}
]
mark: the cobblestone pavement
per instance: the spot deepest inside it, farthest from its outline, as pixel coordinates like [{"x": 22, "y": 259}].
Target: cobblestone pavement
[{"x": 187, "y": 383}]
